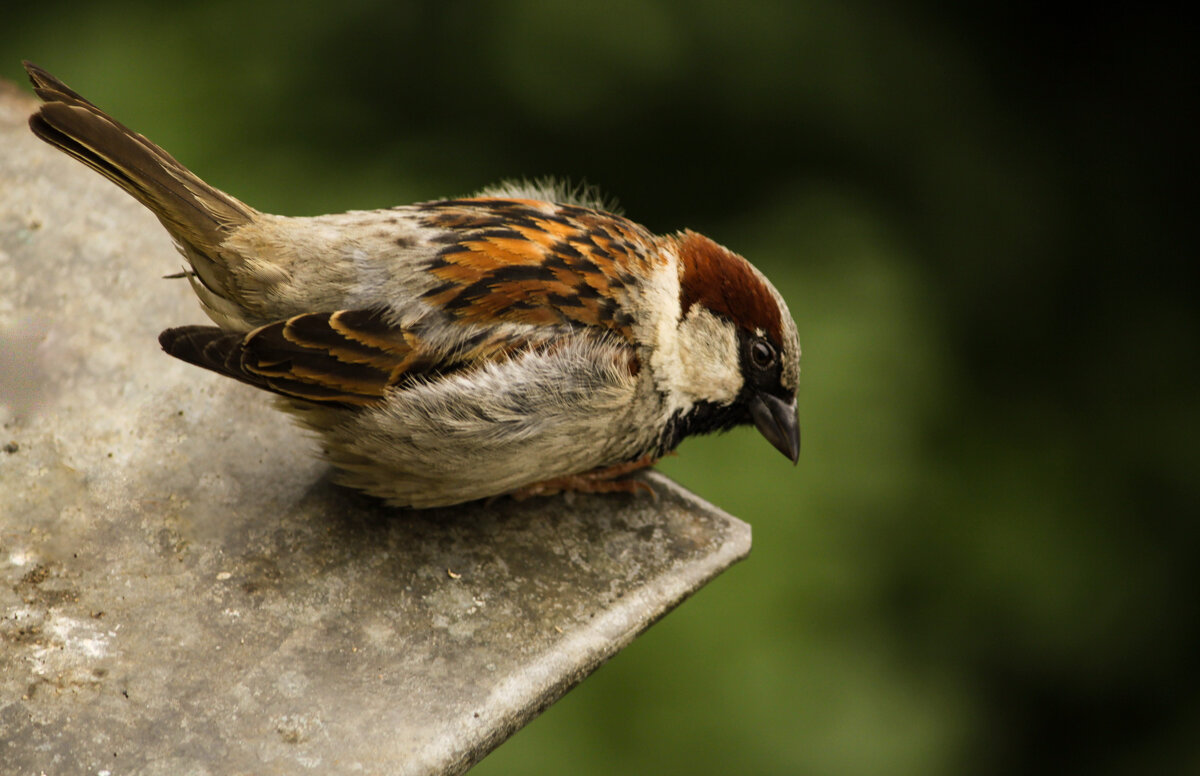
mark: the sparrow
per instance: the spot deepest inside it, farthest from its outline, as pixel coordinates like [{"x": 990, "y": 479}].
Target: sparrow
[{"x": 523, "y": 340}]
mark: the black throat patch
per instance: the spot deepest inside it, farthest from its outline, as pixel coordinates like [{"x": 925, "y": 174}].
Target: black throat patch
[{"x": 703, "y": 418}]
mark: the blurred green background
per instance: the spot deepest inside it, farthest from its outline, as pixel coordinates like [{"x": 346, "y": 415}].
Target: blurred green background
[{"x": 986, "y": 561}]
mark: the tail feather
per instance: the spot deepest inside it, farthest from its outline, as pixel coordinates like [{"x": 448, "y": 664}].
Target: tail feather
[{"x": 197, "y": 215}]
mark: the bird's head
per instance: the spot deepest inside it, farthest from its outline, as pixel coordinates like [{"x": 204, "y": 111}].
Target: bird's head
[{"x": 738, "y": 350}]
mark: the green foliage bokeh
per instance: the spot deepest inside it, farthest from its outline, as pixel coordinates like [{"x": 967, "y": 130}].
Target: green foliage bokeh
[{"x": 985, "y": 561}]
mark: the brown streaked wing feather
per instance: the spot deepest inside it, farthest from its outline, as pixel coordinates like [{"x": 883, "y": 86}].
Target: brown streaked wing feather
[
  {"x": 523, "y": 261},
  {"x": 265, "y": 359},
  {"x": 348, "y": 357}
]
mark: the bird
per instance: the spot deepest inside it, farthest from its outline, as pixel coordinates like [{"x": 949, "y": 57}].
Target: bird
[{"x": 525, "y": 340}]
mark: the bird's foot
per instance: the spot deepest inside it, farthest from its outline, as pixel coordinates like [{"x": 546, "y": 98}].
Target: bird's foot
[{"x": 606, "y": 479}]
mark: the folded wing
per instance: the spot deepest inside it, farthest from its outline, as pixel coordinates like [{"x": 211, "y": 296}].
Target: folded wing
[{"x": 347, "y": 357}]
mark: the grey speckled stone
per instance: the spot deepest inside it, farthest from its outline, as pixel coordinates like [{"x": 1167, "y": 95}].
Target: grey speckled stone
[{"x": 182, "y": 591}]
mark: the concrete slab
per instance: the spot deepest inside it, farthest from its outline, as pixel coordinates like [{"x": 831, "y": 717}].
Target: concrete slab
[{"x": 182, "y": 591}]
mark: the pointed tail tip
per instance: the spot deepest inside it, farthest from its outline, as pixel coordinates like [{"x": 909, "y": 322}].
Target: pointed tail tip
[{"x": 37, "y": 75}]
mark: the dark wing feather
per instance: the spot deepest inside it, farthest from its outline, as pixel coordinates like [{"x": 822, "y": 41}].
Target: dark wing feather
[
  {"x": 348, "y": 357},
  {"x": 266, "y": 359}
]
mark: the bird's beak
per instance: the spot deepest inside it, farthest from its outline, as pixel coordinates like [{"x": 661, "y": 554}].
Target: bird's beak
[{"x": 776, "y": 420}]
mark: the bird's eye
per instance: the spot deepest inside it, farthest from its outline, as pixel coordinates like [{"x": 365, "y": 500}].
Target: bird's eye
[{"x": 762, "y": 353}]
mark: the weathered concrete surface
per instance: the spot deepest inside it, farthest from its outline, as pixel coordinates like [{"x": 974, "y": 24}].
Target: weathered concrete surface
[{"x": 183, "y": 592}]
